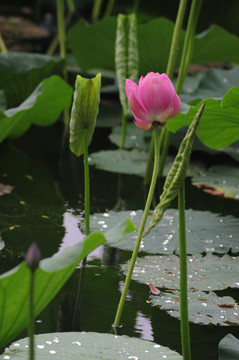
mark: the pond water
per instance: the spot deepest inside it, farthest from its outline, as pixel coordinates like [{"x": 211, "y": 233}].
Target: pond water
[{"x": 46, "y": 206}]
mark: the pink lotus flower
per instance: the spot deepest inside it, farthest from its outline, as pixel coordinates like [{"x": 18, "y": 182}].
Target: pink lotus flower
[{"x": 154, "y": 99}]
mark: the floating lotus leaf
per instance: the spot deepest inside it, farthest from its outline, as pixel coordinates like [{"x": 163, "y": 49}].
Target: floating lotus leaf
[
  {"x": 206, "y": 232},
  {"x": 228, "y": 348},
  {"x": 204, "y": 273},
  {"x": 203, "y": 309},
  {"x": 220, "y": 180},
  {"x": 135, "y": 137},
  {"x": 131, "y": 161},
  {"x": 120, "y": 161},
  {"x": 90, "y": 346}
]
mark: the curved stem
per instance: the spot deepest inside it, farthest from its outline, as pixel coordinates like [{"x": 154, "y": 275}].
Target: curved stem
[
  {"x": 184, "y": 64},
  {"x": 188, "y": 43},
  {"x": 169, "y": 71},
  {"x": 141, "y": 228},
  {"x": 176, "y": 38},
  {"x": 185, "y": 336}
]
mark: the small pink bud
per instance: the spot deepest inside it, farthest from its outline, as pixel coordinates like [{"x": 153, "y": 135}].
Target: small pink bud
[
  {"x": 33, "y": 257},
  {"x": 153, "y": 100}
]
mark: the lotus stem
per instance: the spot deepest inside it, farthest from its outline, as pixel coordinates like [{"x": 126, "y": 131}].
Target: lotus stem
[{"x": 141, "y": 228}]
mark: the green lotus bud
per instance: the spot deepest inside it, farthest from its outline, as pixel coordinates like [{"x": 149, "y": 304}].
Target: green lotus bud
[{"x": 84, "y": 112}]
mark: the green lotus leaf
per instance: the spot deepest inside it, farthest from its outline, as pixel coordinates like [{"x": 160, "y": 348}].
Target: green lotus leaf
[
  {"x": 90, "y": 346},
  {"x": 228, "y": 348},
  {"x": 206, "y": 232},
  {"x": 206, "y": 273},
  {"x": 42, "y": 108},
  {"x": 218, "y": 126},
  {"x": 21, "y": 73},
  {"x": 203, "y": 308}
]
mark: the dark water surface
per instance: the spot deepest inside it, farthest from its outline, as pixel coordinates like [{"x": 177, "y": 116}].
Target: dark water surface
[{"x": 46, "y": 206}]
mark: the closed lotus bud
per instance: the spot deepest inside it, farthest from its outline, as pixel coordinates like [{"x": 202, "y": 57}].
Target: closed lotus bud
[
  {"x": 153, "y": 100},
  {"x": 33, "y": 257},
  {"x": 84, "y": 112}
]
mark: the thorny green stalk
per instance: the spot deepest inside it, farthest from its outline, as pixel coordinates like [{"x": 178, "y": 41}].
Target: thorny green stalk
[
  {"x": 169, "y": 71},
  {"x": 141, "y": 228},
  {"x": 184, "y": 323}
]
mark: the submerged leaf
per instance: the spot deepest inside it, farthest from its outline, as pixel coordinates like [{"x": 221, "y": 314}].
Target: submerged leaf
[
  {"x": 177, "y": 173},
  {"x": 203, "y": 308},
  {"x": 90, "y": 346}
]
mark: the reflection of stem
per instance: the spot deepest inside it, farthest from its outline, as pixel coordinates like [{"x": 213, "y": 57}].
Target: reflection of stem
[
  {"x": 79, "y": 294},
  {"x": 87, "y": 187},
  {"x": 185, "y": 336},
  {"x": 141, "y": 228},
  {"x": 87, "y": 227},
  {"x": 31, "y": 315},
  {"x": 123, "y": 131}
]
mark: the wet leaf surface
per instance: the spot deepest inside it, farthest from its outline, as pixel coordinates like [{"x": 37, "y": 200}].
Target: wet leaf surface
[
  {"x": 203, "y": 308},
  {"x": 206, "y": 273},
  {"x": 132, "y": 161},
  {"x": 90, "y": 346},
  {"x": 206, "y": 232}
]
